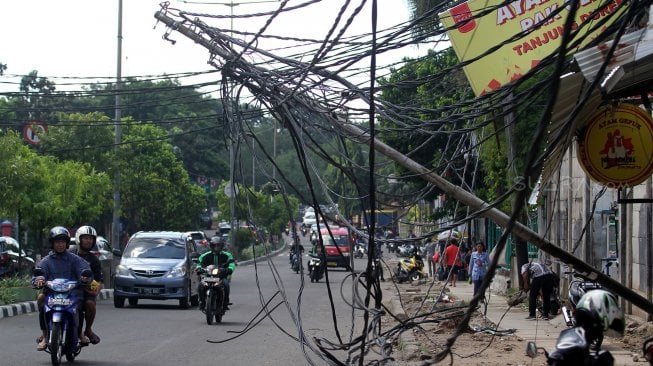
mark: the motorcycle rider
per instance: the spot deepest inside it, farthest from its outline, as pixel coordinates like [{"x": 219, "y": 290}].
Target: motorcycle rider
[
  {"x": 59, "y": 263},
  {"x": 297, "y": 248},
  {"x": 86, "y": 237},
  {"x": 218, "y": 257}
]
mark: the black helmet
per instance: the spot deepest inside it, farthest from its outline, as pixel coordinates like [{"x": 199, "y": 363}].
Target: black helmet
[
  {"x": 215, "y": 241},
  {"x": 59, "y": 233}
]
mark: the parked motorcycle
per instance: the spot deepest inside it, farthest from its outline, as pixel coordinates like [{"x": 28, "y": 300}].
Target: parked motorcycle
[
  {"x": 554, "y": 300},
  {"x": 597, "y": 312},
  {"x": 411, "y": 268},
  {"x": 405, "y": 250},
  {"x": 647, "y": 349},
  {"x": 577, "y": 288},
  {"x": 212, "y": 279},
  {"x": 315, "y": 269},
  {"x": 60, "y": 309}
]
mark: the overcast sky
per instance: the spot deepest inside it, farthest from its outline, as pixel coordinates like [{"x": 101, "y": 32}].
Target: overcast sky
[{"x": 78, "y": 38}]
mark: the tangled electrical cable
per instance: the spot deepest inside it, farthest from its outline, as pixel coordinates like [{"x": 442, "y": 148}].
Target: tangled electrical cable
[{"x": 317, "y": 103}]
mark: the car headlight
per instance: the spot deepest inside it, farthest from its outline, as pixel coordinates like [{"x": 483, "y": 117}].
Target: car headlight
[
  {"x": 177, "y": 272},
  {"x": 123, "y": 271}
]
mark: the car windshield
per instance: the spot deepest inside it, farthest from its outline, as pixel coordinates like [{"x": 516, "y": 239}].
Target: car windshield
[
  {"x": 341, "y": 240},
  {"x": 167, "y": 248},
  {"x": 197, "y": 236}
]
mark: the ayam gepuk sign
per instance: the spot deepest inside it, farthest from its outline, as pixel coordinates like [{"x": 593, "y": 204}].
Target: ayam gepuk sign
[{"x": 472, "y": 36}]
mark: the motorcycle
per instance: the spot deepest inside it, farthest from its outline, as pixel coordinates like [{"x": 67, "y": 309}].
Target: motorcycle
[
  {"x": 572, "y": 348},
  {"x": 360, "y": 249},
  {"x": 598, "y": 311},
  {"x": 647, "y": 349},
  {"x": 315, "y": 269},
  {"x": 304, "y": 230},
  {"x": 212, "y": 279},
  {"x": 61, "y": 309},
  {"x": 405, "y": 250},
  {"x": 411, "y": 268},
  {"x": 554, "y": 299},
  {"x": 577, "y": 288},
  {"x": 294, "y": 262}
]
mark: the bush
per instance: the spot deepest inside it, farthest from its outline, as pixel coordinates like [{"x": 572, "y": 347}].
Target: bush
[
  {"x": 259, "y": 250},
  {"x": 7, "y": 286}
]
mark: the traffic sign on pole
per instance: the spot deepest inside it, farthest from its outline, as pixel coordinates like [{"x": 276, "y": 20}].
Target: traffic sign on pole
[{"x": 32, "y": 131}]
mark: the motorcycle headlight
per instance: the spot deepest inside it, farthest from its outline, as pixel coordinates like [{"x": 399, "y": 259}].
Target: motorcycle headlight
[
  {"x": 123, "y": 271},
  {"x": 177, "y": 272},
  {"x": 215, "y": 271}
]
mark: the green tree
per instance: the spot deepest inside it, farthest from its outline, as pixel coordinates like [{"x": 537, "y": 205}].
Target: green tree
[
  {"x": 44, "y": 192},
  {"x": 156, "y": 190}
]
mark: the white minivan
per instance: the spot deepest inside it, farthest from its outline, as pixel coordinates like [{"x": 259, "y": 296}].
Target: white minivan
[{"x": 309, "y": 219}]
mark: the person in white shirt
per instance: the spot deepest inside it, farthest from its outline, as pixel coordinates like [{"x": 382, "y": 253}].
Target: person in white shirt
[{"x": 537, "y": 277}]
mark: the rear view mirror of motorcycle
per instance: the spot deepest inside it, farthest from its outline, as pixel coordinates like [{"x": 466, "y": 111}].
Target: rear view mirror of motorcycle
[
  {"x": 531, "y": 350},
  {"x": 38, "y": 271}
]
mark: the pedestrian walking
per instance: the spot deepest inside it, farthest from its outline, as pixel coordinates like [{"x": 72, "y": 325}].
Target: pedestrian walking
[
  {"x": 452, "y": 261},
  {"x": 478, "y": 263}
]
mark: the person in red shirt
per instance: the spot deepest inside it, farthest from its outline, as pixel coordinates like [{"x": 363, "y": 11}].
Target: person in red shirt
[{"x": 452, "y": 261}]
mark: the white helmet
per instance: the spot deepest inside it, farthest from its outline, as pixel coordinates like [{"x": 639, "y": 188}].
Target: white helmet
[{"x": 85, "y": 230}]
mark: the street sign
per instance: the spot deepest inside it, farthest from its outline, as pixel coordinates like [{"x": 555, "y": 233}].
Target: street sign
[
  {"x": 31, "y": 132},
  {"x": 228, "y": 192}
]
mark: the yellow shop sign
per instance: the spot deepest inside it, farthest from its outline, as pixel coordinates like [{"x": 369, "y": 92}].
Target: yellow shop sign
[{"x": 616, "y": 148}]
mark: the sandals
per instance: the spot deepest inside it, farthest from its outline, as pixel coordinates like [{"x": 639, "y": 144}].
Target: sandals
[
  {"x": 92, "y": 337},
  {"x": 42, "y": 343},
  {"x": 84, "y": 340}
]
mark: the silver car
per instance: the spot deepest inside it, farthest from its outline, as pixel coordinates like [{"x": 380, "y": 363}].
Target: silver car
[{"x": 156, "y": 265}]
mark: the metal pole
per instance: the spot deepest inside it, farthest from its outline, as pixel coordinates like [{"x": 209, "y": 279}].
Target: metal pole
[
  {"x": 274, "y": 152},
  {"x": 115, "y": 227}
]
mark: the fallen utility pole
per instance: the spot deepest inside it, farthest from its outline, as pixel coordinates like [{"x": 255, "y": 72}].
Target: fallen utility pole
[{"x": 258, "y": 88}]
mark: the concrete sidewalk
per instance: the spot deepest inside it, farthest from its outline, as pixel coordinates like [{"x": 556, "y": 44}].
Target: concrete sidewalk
[{"x": 544, "y": 332}]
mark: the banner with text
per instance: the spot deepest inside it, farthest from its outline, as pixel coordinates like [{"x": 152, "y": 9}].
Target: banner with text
[{"x": 472, "y": 36}]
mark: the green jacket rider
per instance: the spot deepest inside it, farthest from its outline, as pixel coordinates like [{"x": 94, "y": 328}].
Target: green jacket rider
[{"x": 218, "y": 257}]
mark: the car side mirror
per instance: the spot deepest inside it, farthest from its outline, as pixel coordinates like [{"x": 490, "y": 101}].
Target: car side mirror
[{"x": 117, "y": 252}]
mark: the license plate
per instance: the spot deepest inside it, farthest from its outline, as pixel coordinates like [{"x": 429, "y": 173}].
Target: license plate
[
  {"x": 149, "y": 291},
  {"x": 54, "y": 301},
  {"x": 332, "y": 264}
]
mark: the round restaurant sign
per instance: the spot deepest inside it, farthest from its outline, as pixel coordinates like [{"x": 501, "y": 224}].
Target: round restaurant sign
[{"x": 616, "y": 148}]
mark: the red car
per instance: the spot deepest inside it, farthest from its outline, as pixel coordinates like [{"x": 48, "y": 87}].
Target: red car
[{"x": 337, "y": 252}]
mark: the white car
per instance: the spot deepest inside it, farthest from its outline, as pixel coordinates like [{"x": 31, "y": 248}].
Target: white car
[{"x": 309, "y": 219}]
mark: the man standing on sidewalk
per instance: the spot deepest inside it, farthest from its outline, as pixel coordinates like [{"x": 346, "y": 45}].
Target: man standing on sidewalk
[
  {"x": 537, "y": 276},
  {"x": 430, "y": 248}
]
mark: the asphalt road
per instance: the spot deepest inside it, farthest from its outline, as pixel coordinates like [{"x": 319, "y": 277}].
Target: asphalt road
[{"x": 159, "y": 333}]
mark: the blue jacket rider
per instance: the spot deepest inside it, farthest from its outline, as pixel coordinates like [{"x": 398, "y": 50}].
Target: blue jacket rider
[
  {"x": 59, "y": 263},
  {"x": 218, "y": 257}
]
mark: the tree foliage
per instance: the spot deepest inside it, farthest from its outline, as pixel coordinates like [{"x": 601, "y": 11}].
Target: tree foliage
[{"x": 45, "y": 192}]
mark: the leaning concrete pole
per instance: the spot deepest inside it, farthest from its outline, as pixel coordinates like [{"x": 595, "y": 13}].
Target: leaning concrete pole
[{"x": 220, "y": 45}]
